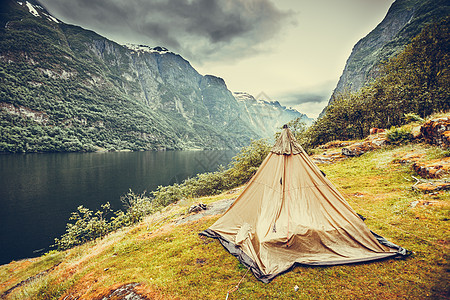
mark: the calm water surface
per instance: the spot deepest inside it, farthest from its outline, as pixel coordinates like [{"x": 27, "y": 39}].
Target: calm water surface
[{"x": 38, "y": 192}]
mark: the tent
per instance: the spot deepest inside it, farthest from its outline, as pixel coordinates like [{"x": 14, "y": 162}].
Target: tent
[{"x": 291, "y": 214}]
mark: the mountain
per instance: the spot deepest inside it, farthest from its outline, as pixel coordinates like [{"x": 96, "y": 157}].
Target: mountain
[
  {"x": 65, "y": 88},
  {"x": 404, "y": 20},
  {"x": 269, "y": 116}
]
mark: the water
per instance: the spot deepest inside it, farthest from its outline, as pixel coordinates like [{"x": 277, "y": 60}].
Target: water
[{"x": 38, "y": 192}]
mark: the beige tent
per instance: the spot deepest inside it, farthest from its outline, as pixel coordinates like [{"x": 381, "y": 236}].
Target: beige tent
[{"x": 290, "y": 213}]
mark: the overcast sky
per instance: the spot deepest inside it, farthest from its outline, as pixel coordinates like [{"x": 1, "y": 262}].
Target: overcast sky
[{"x": 292, "y": 51}]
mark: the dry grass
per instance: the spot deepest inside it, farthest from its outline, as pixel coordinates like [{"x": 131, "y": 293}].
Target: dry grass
[{"x": 173, "y": 262}]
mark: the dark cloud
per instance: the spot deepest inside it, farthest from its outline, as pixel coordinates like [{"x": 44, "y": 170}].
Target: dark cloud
[
  {"x": 202, "y": 29},
  {"x": 303, "y": 98},
  {"x": 314, "y": 95}
]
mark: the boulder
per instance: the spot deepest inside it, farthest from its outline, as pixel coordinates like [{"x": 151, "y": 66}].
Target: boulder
[
  {"x": 335, "y": 144},
  {"x": 436, "y": 168},
  {"x": 196, "y": 208},
  {"x": 437, "y": 132},
  {"x": 431, "y": 187},
  {"x": 358, "y": 149},
  {"x": 328, "y": 157},
  {"x": 376, "y": 130}
]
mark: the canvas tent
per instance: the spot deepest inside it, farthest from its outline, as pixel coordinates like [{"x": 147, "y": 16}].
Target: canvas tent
[{"x": 290, "y": 213}]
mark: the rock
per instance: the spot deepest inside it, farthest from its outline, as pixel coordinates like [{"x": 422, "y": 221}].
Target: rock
[
  {"x": 436, "y": 168},
  {"x": 126, "y": 291},
  {"x": 359, "y": 148},
  {"x": 372, "y": 142},
  {"x": 335, "y": 144},
  {"x": 414, "y": 203},
  {"x": 328, "y": 157},
  {"x": 215, "y": 208},
  {"x": 431, "y": 187},
  {"x": 379, "y": 142},
  {"x": 415, "y": 132},
  {"x": 376, "y": 130},
  {"x": 437, "y": 132},
  {"x": 197, "y": 207}
]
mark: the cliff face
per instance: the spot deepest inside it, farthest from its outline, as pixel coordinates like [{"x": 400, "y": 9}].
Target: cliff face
[
  {"x": 404, "y": 20},
  {"x": 96, "y": 93},
  {"x": 267, "y": 116}
]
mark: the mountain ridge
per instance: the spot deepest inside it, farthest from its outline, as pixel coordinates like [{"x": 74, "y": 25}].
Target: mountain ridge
[
  {"x": 403, "y": 21},
  {"x": 146, "y": 98}
]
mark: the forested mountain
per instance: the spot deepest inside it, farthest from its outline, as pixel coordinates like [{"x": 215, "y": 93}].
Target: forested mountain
[
  {"x": 411, "y": 86},
  {"x": 64, "y": 88},
  {"x": 404, "y": 20}
]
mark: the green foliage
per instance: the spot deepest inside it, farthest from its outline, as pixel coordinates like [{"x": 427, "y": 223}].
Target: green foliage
[
  {"x": 411, "y": 117},
  {"x": 241, "y": 169},
  {"x": 245, "y": 164},
  {"x": 399, "y": 135},
  {"x": 164, "y": 195},
  {"x": 411, "y": 86},
  {"x": 89, "y": 226},
  {"x": 137, "y": 207},
  {"x": 75, "y": 79}
]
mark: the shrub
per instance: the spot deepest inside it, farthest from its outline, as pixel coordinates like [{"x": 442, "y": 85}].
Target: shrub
[
  {"x": 88, "y": 226},
  {"x": 412, "y": 117},
  {"x": 240, "y": 170},
  {"x": 399, "y": 135}
]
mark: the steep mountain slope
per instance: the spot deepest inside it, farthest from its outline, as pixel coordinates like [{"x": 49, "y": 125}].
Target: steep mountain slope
[
  {"x": 269, "y": 116},
  {"x": 404, "y": 20},
  {"x": 64, "y": 88}
]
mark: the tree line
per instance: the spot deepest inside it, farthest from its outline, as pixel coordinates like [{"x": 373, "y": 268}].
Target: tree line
[{"x": 416, "y": 81}]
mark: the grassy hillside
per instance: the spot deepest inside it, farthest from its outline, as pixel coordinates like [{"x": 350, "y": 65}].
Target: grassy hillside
[{"x": 170, "y": 261}]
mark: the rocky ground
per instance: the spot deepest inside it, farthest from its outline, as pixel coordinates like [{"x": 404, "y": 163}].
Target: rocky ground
[
  {"x": 429, "y": 176},
  {"x": 433, "y": 175}
]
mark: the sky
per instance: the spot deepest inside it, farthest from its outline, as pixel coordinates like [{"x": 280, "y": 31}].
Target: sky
[{"x": 291, "y": 51}]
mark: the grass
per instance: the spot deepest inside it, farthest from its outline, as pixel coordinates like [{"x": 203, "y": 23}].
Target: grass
[{"x": 173, "y": 262}]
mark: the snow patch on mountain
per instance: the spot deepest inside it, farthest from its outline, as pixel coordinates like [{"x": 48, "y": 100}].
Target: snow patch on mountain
[
  {"x": 51, "y": 18},
  {"x": 147, "y": 49},
  {"x": 38, "y": 11},
  {"x": 32, "y": 10}
]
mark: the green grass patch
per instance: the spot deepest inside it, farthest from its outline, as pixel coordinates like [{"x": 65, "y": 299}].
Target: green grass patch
[{"x": 173, "y": 262}]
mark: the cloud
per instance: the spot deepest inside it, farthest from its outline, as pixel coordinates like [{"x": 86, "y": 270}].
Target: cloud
[
  {"x": 201, "y": 30},
  {"x": 310, "y": 101}
]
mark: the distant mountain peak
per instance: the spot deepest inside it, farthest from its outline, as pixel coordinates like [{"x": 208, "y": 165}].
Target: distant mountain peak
[
  {"x": 37, "y": 10},
  {"x": 268, "y": 115}
]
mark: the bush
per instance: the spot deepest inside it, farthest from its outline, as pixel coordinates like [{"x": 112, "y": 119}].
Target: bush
[
  {"x": 412, "y": 117},
  {"x": 89, "y": 226},
  {"x": 241, "y": 169},
  {"x": 399, "y": 135}
]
